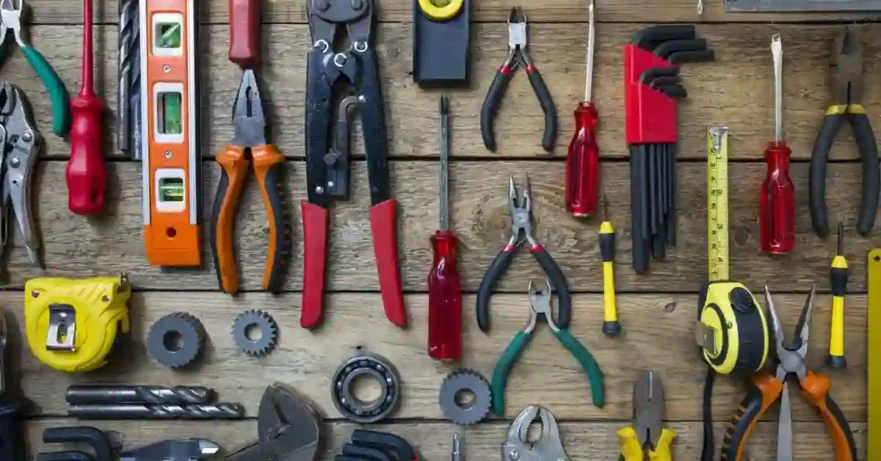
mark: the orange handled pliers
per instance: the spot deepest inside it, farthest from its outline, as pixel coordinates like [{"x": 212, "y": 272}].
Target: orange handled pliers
[
  {"x": 250, "y": 135},
  {"x": 767, "y": 389}
]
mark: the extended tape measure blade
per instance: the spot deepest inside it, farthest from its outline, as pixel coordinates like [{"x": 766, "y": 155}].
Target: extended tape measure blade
[{"x": 717, "y": 203}]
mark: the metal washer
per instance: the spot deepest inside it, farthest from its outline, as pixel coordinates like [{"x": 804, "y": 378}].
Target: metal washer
[
  {"x": 373, "y": 366},
  {"x": 192, "y": 335},
  {"x": 268, "y": 332},
  {"x": 468, "y": 381}
]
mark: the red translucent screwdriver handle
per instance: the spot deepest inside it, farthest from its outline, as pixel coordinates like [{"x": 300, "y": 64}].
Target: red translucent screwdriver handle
[
  {"x": 444, "y": 300},
  {"x": 777, "y": 214},
  {"x": 582, "y": 163}
]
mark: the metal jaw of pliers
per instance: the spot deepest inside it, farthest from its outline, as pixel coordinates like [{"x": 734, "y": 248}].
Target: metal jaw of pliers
[
  {"x": 791, "y": 357},
  {"x": 647, "y": 435},
  {"x": 548, "y": 447},
  {"x": 21, "y": 144},
  {"x": 540, "y": 303},
  {"x": 517, "y": 40},
  {"x": 520, "y": 203},
  {"x": 288, "y": 427}
]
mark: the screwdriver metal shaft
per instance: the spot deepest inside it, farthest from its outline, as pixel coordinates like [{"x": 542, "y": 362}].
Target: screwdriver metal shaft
[{"x": 95, "y": 394}]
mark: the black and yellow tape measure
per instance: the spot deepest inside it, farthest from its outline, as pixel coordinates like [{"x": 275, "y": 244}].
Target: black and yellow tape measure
[
  {"x": 441, "y": 10},
  {"x": 731, "y": 330}
]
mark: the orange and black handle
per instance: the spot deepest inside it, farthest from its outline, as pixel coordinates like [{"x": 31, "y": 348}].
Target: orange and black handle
[
  {"x": 244, "y": 33},
  {"x": 764, "y": 391},
  {"x": 815, "y": 390},
  {"x": 268, "y": 166}
]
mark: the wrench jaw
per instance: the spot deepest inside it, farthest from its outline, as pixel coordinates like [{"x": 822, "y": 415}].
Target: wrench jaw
[
  {"x": 548, "y": 446},
  {"x": 289, "y": 426}
]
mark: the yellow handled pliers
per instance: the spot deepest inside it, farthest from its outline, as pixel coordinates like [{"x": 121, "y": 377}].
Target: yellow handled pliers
[{"x": 647, "y": 436}]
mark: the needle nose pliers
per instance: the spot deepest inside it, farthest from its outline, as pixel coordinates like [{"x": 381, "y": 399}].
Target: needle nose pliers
[
  {"x": 250, "y": 135},
  {"x": 767, "y": 389},
  {"x": 540, "y": 302},
  {"x": 648, "y": 434},
  {"x": 846, "y": 86},
  {"x": 521, "y": 231},
  {"x": 517, "y": 56}
]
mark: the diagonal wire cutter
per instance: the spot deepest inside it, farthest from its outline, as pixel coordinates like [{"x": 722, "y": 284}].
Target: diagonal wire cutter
[
  {"x": 517, "y": 56},
  {"x": 521, "y": 231},
  {"x": 540, "y": 302},
  {"x": 250, "y": 136},
  {"x": 846, "y": 86},
  {"x": 647, "y": 435},
  {"x": 10, "y": 19}
]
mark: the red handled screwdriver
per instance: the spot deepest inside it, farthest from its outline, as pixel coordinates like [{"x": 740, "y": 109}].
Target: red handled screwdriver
[
  {"x": 444, "y": 287},
  {"x": 777, "y": 214},
  {"x": 86, "y": 175},
  {"x": 582, "y": 161}
]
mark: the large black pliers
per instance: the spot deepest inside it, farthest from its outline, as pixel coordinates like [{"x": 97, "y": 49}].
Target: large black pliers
[
  {"x": 521, "y": 231},
  {"x": 847, "y": 91},
  {"x": 517, "y": 56}
]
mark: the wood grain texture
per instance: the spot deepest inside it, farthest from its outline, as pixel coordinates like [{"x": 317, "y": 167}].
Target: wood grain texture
[
  {"x": 646, "y": 11},
  {"x": 75, "y": 246},
  {"x": 583, "y": 441},
  {"x": 658, "y": 334},
  {"x": 736, "y": 90}
]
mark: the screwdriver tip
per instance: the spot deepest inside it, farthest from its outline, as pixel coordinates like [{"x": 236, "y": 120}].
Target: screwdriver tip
[{"x": 444, "y": 104}]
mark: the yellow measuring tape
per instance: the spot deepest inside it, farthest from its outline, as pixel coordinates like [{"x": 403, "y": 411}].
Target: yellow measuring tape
[
  {"x": 874, "y": 358},
  {"x": 441, "y": 10},
  {"x": 731, "y": 326}
]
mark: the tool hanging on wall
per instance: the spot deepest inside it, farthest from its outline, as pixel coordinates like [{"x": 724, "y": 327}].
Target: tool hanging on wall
[
  {"x": 846, "y": 87},
  {"x": 731, "y": 328},
  {"x": 327, "y": 165},
  {"x": 769, "y": 6},
  {"x": 583, "y": 156},
  {"x": 128, "y": 103},
  {"x": 873, "y": 360},
  {"x": 651, "y": 88},
  {"x": 86, "y": 174},
  {"x": 171, "y": 171},
  {"x": 441, "y": 42},
  {"x": 12, "y": 438},
  {"x": 647, "y": 435},
  {"x": 249, "y": 144},
  {"x": 72, "y": 324},
  {"x": 838, "y": 273},
  {"x": 777, "y": 201},
  {"x": 611, "y": 326},
  {"x": 444, "y": 286}
]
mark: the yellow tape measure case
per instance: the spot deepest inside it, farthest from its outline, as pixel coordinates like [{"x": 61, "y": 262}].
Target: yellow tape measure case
[
  {"x": 732, "y": 329},
  {"x": 72, "y": 324}
]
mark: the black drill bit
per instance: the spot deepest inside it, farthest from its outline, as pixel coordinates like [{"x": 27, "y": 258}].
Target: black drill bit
[{"x": 94, "y": 394}]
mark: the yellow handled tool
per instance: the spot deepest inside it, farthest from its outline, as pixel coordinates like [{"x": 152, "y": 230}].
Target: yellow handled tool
[
  {"x": 647, "y": 436},
  {"x": 440, "y": 10},
  {"x": 73, "y": 324},
  {"x": 611, "y": 327},
  {"x": 874, "y": 359},
  {"x": 838, "y": 273}
]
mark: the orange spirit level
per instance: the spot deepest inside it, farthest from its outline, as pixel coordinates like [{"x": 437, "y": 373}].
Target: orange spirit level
[{"x": 171, "y": 178}]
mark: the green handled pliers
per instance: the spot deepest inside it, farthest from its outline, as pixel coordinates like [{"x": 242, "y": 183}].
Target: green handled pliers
[
  {"x": 540, "y": 300},
  {"x": 10, "y": 18}
]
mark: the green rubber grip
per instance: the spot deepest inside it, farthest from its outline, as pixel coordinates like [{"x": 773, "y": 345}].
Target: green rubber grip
[
  {"x": 590, "y": 365},
  {"x": 503, "y": 368},
  {"x": 55, "y": 87}
]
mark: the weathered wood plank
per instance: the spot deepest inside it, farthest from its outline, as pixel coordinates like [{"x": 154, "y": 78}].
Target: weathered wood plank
[
  {"x": 658, "y": 334},
  {"x": 737, "y": 90},
  {"x": 294, "y": 11},
  {"x": 584, "y": 441},
  {"x": 75, "y": 246}
]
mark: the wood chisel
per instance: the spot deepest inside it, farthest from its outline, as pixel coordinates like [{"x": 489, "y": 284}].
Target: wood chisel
[
  {"x": 873, "y": 360},
  {"x": 171, "y": 174}
]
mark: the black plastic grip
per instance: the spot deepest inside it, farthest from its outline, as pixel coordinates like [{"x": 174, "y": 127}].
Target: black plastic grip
[
  {"x": 275, "y": 193},
  {"x": 70, "y": 455},
  {"x": 651, "y": 37},
  {"x": 318, "y": 123},
  {"x": 547, "y": 106},
  {"x": 11, "y": 436},
  {"x": 558, "y": 281},
  {"x": 865, "y": 138},
  {"x": 607, "y": 246},
  {"x": 373, "y": 123},
  {"x": 386, "y": 442},
  {"x": 739, "y": 429},
  {"x": 836, "y": 413},
  {"x": 492, "y": 275},
  {"x": 97, "y": 439},
  {"x": 365, "y": 453},
  {"x": 667, "y": 48},
  {"x": 491, "y": 104},
  {"x": 817, "y": 173}
]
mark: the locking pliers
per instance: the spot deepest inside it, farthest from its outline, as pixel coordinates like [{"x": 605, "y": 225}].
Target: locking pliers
[
  {"x": 548, "y": 447},
  {"x": 21, "y": 143}
]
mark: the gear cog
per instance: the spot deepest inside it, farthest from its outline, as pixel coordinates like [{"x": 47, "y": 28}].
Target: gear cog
[
  {"x": 263, "y": 322},
  {"x": 465, "y": 381}
]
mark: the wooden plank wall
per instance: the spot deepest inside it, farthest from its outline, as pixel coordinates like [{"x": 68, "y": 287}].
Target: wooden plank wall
[{"x": 656, "y": 310}]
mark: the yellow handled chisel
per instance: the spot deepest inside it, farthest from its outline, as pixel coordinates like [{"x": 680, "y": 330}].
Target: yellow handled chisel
[
  {"x": 838, "y": 273},
  {"x": 611, "y": 327}
]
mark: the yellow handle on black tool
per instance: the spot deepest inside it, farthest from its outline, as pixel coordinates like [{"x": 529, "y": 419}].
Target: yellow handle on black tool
[
  {"x": 838, "y": 273},
  {"x": 441, "y": 12},
  {"x": 611, "y": 327},
  {"x": 632, "y": 450}
]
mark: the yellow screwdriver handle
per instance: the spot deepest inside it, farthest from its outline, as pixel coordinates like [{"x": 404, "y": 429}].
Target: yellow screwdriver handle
[
  {"x": 838, "y": 273},
  {"x": 664, "y": 450},
  {"x": 611, "y": 327},
  {"x": 631, "y": 450}
]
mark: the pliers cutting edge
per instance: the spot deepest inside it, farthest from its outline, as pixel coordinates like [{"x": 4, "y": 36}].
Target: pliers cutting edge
[
  {"x": 548, "y": 446},
  {"x": 767, "y": 389},
  {"x": 540, "y": 302},
  {"x": 846, "y": 86},
  {"x": 10, "y": 18},
  {"x": 648, "y": 434},
  {"x": 288, "y": 427},
  {"x": 20, "y": 143},
  {"x": 521, "y": 231},
  {"x": 517, "y": 56},
  {"x": 250, "y": 135}
]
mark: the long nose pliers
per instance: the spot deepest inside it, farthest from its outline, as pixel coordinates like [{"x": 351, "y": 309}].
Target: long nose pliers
[
  {"x": 517, "y": 56},
  {"x": 846, "y": 85}
]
